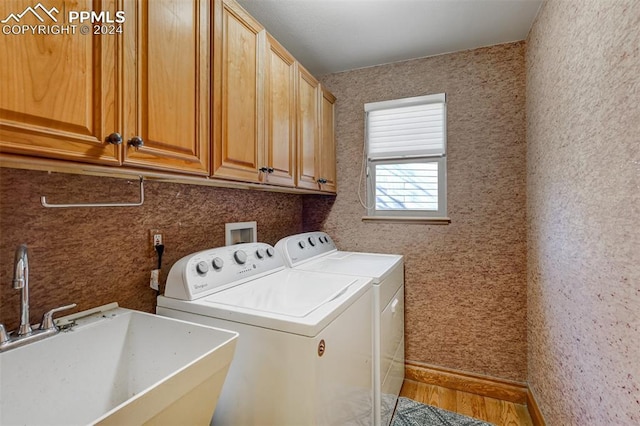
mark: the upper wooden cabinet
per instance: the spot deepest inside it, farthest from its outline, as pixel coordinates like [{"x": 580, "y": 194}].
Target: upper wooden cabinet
[
  {"x": 63, "y": 95},
  {"x": 327, "y": 156},
  {"x": 190, "y": 87},
  {"x": 238, "y": 85},
  {"x": 166, "y": 89},
  {"x": 60, "y": 95},
  {"x": 308, "y": 129},
  {"x": 280, "y": 116},
  {"x": 316, "y": 137}
]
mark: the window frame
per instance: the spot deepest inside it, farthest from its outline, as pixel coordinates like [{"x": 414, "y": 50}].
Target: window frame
[{"x": 441, "y": 159}]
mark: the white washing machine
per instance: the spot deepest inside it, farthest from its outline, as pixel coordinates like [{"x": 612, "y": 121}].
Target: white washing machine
[
  {"x": 304, "y": 351},
  {"x": 315, "y": 251}
]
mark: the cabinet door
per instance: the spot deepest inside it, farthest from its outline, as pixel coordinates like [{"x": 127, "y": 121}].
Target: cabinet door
[
  {"x": 58, "y": 92},
  {"x": 167, "y": 84},
  {"x": 239, "y": 45},
  {"x": 327, "y": 143},
  {"x": 280, "y": 115},
  {"x": 308, "y": 129}
]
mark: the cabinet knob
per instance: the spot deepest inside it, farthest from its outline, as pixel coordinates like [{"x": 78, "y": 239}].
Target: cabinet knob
[
  {"x": 270, "y": 169},
  {"x": 322, "y": 180},
  {"x": 135, "y": 142},
  {"x": 114, "y": 139},
  {"x": 264, "y": 169}
]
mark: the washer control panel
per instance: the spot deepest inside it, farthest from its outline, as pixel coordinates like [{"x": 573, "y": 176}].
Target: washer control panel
[
  {"x": 212, "y": 270},
  {"x": 301, "y": 247}
]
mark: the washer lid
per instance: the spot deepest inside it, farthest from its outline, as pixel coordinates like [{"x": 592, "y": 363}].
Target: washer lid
[
  {"x": 294, "y": 294},
  {"x": 374, "y": 265},
  {"x": 292, "y": 301}
]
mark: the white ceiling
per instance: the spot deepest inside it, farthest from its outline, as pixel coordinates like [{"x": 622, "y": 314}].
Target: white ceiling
[{"x": 329, "y": 36}]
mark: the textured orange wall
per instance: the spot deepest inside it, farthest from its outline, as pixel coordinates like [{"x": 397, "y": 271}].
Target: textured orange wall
[
  {"x": 465, "y": 282},
  {"x": 583, "y": 188},
  {"x": 93, "y": 256}
]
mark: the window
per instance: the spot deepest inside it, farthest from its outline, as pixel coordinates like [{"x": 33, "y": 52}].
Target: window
[{"x": 406, "y": 157}]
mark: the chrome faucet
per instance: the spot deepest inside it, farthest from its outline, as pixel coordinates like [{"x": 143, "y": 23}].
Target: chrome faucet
[
  {"x": 21, "y": 282},
  {"x": 25, "y": 334}
]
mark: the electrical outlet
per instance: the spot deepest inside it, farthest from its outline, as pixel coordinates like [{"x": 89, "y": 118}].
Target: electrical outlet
[{"x": 156, "y": 237}]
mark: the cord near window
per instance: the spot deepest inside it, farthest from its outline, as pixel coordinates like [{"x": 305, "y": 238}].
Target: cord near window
[{"x": 365, "y": 166}]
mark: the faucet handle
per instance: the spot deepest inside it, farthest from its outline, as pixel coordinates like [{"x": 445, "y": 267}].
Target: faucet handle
[
  {"x": 47, "y": 318},
  {"x": 4, "y": 337}
]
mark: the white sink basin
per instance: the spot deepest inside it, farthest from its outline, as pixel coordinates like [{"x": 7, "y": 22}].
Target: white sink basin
[{"x": 117, "y": 367}]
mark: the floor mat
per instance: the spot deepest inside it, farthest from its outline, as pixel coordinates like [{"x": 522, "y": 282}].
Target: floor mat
[{"x": 412, "y": 413}]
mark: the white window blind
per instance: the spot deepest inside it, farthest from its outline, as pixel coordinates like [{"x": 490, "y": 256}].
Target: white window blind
[{"x": 411, "y": 127}]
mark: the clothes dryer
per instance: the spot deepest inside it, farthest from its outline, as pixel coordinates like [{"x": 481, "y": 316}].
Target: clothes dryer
[{"x": 316, "y": 251}]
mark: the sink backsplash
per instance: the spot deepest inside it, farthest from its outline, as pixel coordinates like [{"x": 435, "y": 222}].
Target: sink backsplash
[{"x": 93, "y": 256}]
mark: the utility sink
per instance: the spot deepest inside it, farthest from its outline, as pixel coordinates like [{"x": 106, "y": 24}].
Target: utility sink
[{"x": 117, "y": 367}]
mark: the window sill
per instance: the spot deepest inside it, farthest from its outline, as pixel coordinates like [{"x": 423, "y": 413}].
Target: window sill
[{"x": 408, "y": 219}]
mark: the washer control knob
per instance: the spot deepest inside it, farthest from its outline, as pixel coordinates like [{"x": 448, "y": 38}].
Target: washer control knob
[
  {"x": 240, "y": 256},
  {"x": 260, "y": 253},
  {"x": 270, "y": 252},
  {"x": 312, "y": 241},
  {"x": 302, "y": 244},
  {"x": 217, "y": 263},
  {"x": 202, "y": 268}
]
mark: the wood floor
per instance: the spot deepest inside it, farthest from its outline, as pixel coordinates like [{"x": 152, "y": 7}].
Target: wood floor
[{"x": 488, "y": 409}]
